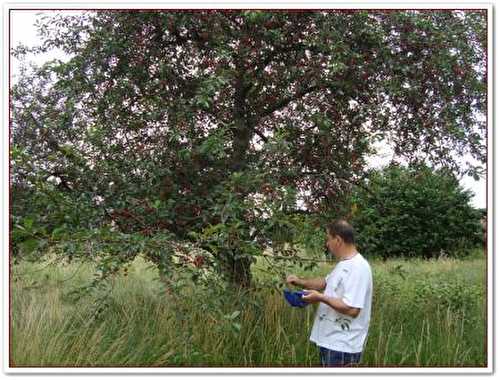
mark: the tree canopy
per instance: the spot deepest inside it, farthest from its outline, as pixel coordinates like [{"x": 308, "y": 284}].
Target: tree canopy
[{"x": 227, "y": 127}]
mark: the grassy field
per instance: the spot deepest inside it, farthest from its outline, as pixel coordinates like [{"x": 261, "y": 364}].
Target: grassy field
[{"x": 425, "y": 313}]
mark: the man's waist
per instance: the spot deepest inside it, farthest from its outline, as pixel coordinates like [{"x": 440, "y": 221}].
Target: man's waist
[{"x": 338, "y": 345}]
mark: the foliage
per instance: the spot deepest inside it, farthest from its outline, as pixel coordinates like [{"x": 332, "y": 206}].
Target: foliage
[
  {"x": 217, "y": 128},
  {"x": 414, "y": 212}
]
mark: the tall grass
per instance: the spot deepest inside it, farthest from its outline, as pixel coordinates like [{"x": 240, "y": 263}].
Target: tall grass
[{"x": 417, "y": 320}]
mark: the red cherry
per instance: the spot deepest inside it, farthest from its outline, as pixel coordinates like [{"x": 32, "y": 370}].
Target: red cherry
[{"x": 198, "y": 261}]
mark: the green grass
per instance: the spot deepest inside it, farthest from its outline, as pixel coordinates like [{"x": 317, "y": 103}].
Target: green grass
[{"x": 424, "y": 314}]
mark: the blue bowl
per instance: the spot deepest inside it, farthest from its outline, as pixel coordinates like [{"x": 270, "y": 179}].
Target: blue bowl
[{"x": 294, "y": 298}]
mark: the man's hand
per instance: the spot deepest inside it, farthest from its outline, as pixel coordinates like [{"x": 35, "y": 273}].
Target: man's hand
[
  {"x": 293, "y": 280},
  {"x": 312, "y": 296}
]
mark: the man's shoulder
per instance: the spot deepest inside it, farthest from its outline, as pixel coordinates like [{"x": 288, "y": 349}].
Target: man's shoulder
[{"x": 362, "y": 262}]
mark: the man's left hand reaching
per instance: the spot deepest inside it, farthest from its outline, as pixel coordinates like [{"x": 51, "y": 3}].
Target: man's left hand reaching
[{"x": 312, "y": 296}]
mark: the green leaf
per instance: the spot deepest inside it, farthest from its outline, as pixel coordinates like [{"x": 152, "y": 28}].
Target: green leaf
[
  {"x": 58, "y": 232},
  {"x": 234, "y": 315},
  {"x": 29, "y": 246},
  {"x": 28, "y": 223}
]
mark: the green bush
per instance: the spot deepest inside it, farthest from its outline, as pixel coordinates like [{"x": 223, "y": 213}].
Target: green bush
[{"x": 414, "y": 212}]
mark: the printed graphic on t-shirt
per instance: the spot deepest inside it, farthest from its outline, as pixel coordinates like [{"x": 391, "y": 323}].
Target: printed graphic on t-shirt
[
  {"x": 345, "y": 323},
  {"x": 342, "y": 322}
]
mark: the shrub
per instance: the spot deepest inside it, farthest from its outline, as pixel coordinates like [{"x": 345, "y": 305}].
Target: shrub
[{"x": 414, "y": 212}]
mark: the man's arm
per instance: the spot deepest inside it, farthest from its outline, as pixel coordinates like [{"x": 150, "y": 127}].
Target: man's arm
[
  {"x": 340, "y": 306},
  {"x": 313, "y": 296},
  {"x": 309, "y": 283}
]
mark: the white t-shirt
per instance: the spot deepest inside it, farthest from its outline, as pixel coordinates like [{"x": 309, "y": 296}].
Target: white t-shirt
[{"x": 351, "y": 281}]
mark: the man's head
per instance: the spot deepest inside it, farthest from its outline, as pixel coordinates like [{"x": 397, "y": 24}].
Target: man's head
[{"x": 340, "y": 238}]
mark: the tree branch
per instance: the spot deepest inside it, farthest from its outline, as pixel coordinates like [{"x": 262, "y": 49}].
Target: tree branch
[
  {"x": 261, "y": 135},
  {"x": 286, "y": 101},
  {"x": 357, "y": 183},
  {"x": 294, "y": 258}
]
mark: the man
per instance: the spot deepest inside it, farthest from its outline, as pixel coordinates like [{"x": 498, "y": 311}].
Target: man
[{"x": 343, "y": 316}]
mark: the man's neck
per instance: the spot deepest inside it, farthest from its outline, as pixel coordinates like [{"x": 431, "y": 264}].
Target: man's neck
[{"x": 349, "y": 253}]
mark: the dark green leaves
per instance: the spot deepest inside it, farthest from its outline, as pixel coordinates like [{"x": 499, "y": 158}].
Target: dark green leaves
[{"x": 414, "y": 213}]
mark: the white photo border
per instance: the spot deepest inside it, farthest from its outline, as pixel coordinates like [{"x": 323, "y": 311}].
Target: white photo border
[{"x": 224, "y": 4}]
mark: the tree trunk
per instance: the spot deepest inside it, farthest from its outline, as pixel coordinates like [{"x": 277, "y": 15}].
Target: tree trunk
[
  {"x": 239, "y": 272},
  {"x": 239, "y": 268}
]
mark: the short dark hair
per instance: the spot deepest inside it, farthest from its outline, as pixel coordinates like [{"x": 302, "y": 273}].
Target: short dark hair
[{"x": 343, "y": 229}]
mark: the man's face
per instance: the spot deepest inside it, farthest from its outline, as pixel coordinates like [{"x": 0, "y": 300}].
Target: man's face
[{"x": 333, "y": 243}]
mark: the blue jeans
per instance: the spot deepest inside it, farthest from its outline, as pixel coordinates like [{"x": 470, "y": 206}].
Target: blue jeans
[{"x": 330, "y": 358}]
